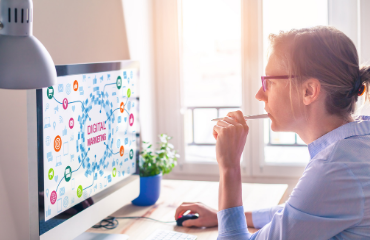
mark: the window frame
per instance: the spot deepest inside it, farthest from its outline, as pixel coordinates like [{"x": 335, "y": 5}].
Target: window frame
[{"x": 252, "y": 33}]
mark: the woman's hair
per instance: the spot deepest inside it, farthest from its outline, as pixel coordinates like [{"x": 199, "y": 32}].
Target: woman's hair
[{"x": 328, "y": 55}]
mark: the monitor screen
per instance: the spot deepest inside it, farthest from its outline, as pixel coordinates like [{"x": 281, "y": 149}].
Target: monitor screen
[{"x": 88, "y": 134}]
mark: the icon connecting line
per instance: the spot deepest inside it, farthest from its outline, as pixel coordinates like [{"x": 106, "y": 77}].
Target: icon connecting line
[
  {"x": 111, "y": 150},
  {"x": 92, "y": 182},
  {"x": 104, "y": 92},
  {"x": 68, "y": 103},
  {"x": 104, "y": 89},
  {"x": 77, "y": 101},
  {"x": 108, "y": 85},
  {"x": 112, "y": 113},
  {"x": 93, "y": 177},
  {"x": 74, "y": 170}
]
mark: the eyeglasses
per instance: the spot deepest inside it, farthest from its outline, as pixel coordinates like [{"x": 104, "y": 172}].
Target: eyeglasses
[{"x": 264, "y": 78}]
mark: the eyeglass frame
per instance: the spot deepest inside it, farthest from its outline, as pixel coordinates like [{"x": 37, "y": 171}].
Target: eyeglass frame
[{"x": 264, "y": 78}]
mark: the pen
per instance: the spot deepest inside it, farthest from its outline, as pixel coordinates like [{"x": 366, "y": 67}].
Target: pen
[{"x": 248, "y": 117}]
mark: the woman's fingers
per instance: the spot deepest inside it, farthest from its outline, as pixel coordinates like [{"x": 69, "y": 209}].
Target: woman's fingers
[
  {"x": 238, "y": 116},
  {"x": 230, "y": 120},
  {"x": 225, "y": 122},
  {"x": 207, "y": 215},
  {"x": 230, "y": 134},
  {"x": 185, "y": 207},
  {"x": 193, "y": 223},
  {"x": 217, "y": 129}
]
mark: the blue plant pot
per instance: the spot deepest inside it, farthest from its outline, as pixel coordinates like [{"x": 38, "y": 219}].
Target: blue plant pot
[{"x": 150, "y": 188}]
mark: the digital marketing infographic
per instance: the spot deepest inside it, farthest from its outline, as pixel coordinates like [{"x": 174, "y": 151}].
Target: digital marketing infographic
[{"x": 89, "y": 136}]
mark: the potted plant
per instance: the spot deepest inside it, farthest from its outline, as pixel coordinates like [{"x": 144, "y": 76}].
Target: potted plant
[{"x": 152, "y": 165}]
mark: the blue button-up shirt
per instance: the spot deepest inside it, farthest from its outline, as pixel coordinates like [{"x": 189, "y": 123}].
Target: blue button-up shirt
[{"x": 331, "y": 199}]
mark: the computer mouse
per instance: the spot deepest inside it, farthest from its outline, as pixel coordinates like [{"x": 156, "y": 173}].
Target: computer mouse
[{"x": 183, "y": 218}]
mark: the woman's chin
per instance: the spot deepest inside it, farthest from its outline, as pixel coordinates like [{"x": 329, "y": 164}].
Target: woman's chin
[
  {"x": 275, "y": 127},
  {"x": 273, "y": 123},
  {"x": 279, "y": 128}
]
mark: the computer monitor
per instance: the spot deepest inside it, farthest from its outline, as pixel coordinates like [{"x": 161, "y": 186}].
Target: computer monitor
[{"x": 87, "y": 137}]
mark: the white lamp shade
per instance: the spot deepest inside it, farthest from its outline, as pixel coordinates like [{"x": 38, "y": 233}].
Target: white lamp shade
[{"x": 25, "y": 63}]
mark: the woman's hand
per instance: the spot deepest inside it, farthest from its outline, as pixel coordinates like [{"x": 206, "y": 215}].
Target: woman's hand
[
  {"x": 230, "y": 134},
  {"x": 207, "y": 215}
]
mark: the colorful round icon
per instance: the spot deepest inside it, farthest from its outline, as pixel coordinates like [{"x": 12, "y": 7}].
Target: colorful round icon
[
  {"x": 75, "y": 85},
  {"x": 71, "y": 123},
  {"x": 131, "y": 154},
  {"x": 128, "y": 92},
  {"x": 122, "y": 107},
  {"x": 51, "y": 174},
  {"x": 53, "y": 197},
  {"x": 57, "y": 143},
  {"x": 79, "y": 191},
  {"x": 65, "y": 202},
  {"x": 114, "y": 172},
  {"x": 131, "y": 120},
  {"x": 121, "y": 151},
  {"x": 68, "y": 173},
  {"x": 65, "y": 103},
  {"x": 50, "y": 92},
  {"x": 119, "y": 82}
]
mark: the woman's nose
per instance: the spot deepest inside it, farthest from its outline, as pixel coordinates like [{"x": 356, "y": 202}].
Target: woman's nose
[{"x": 261, "y": 95}]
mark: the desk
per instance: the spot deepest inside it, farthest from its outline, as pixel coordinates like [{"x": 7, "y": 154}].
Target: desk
[{"x": 174, "y": 192}]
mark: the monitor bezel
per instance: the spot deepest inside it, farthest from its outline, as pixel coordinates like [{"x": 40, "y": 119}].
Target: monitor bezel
[{"x": 66, "y": 70}]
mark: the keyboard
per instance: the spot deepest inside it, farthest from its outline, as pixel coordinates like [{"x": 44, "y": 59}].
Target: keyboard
[{"x": 170, "y": 235}]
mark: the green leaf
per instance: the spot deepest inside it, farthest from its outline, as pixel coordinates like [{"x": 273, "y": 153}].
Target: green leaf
[{"x": 162, "y": 160}]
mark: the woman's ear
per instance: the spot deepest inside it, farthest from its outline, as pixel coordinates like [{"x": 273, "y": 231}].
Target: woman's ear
[{"x": 311, "y": 89}]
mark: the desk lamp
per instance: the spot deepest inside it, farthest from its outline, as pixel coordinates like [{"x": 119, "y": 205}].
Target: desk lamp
[{"x": 24, "y": 61}]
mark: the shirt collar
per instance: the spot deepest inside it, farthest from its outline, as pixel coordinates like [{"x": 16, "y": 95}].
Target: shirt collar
[{"x": 361, "y": 126}]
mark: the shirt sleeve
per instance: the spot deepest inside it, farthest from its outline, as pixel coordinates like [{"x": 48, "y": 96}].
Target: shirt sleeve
[
  {"x": 263, "y": 216},
  {"x": 232, "y": 224}
]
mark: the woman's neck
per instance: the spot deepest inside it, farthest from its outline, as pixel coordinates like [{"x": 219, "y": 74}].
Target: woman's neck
[{"x": 317, "y": 126}]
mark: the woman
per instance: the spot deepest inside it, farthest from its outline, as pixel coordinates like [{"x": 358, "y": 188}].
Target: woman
[{"x": 312, "y": 85}]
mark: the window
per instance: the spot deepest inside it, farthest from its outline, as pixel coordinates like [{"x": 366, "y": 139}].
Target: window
[{"x": 211, "y": 70}]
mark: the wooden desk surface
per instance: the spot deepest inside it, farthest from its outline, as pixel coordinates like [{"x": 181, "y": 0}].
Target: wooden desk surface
[{"x": 174, "y": 192}]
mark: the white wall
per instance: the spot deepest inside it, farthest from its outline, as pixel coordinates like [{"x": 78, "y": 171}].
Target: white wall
[
  {"x": 73, "y": 32},
  {"x": 364, "y": 39},
  {"x": 13, "y": 165},
  {"x": 81, "y": 31},
  {"x": 343, "y": 16},
  {"x": 139, "y": 25},
  {"x": 352, "y": 18}
]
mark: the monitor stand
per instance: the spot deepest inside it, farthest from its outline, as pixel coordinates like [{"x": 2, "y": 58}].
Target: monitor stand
[{"x": 101, "y": 236}]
